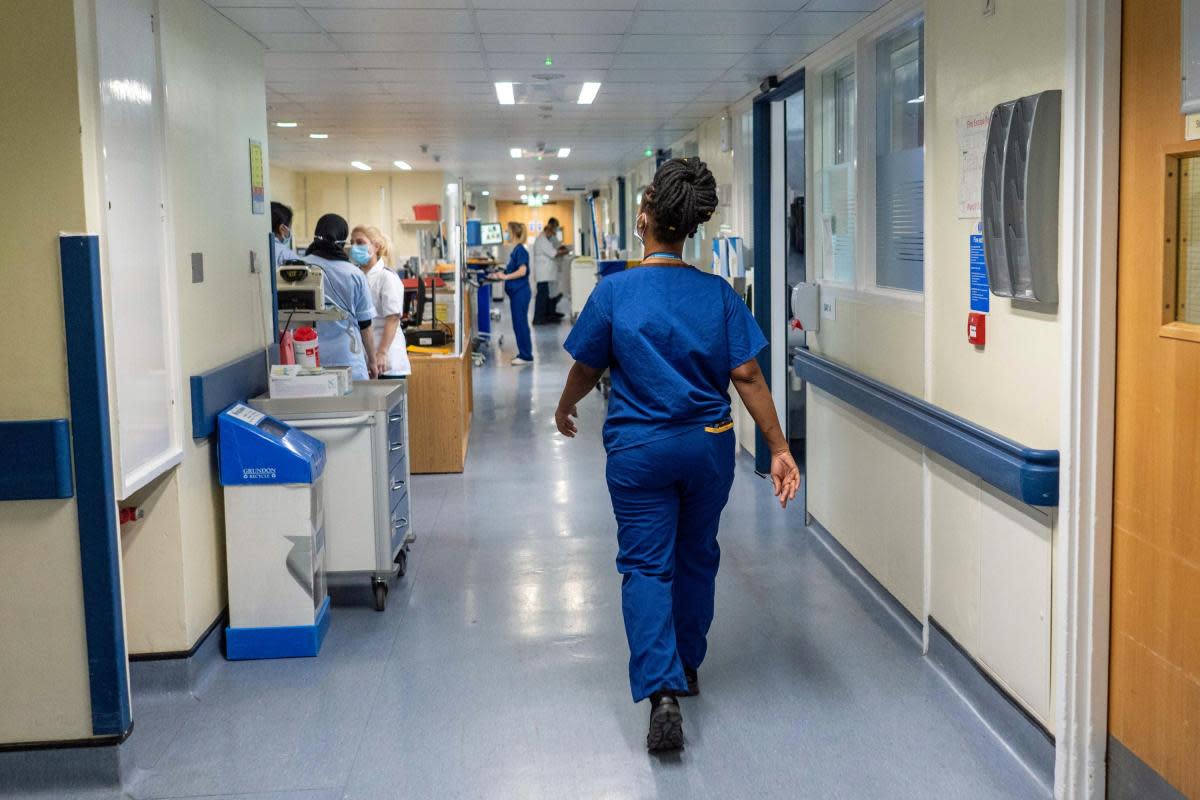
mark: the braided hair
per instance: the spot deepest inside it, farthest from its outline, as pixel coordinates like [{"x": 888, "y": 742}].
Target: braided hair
[{"x": 682, "y": 196}]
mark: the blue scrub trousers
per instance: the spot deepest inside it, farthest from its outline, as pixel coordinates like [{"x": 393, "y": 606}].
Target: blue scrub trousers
[
  {"x": 519, "y": 298},
  {"x": 667, "y": 496}
]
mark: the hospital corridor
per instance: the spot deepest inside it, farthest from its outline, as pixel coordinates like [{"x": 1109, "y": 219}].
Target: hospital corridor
[{"x": 600, "y": 399}]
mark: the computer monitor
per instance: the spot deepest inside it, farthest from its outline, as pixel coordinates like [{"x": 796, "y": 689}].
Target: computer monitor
[
  {"x": 421, "y": 301},
  {"x": 491, "y": 233}
]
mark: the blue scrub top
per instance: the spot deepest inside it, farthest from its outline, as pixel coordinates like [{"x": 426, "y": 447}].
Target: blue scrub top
[
  {"x": 519, "y": 257},
  {"x": 340, "y": 342},
  {"x": 670, "y": 336}
]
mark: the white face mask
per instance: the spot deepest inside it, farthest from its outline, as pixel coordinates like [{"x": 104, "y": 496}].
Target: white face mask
[{"x": 639, "y": 227}]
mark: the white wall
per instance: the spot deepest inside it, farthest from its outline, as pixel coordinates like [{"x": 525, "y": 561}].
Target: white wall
[{"x": 216, "y": 103}]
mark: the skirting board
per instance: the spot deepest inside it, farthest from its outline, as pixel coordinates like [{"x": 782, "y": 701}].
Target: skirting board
[{"x": 1130, "y": 778}]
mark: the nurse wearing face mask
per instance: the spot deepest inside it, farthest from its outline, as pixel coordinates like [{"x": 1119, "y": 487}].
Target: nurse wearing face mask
[
  {"x": 347, "y": 342},
  {"x": 369, "y": 250},
  {"x": 281, "y": 229}
]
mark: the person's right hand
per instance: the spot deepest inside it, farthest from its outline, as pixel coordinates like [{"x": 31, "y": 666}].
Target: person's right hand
[
  {"x": 564, "y": 418},
  {"x": 786, "y": 477}
]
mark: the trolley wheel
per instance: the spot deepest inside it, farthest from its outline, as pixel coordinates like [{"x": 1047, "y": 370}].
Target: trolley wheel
[
  {"x": 402, "y": 562},
  {"x": 381, "y": 593}
]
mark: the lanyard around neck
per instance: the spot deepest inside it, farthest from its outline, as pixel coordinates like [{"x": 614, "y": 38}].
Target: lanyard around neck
[{"x": 669, "y": 256}]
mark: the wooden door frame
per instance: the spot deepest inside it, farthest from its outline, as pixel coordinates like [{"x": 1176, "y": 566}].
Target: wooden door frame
[{"x": 1088, "y": 253}]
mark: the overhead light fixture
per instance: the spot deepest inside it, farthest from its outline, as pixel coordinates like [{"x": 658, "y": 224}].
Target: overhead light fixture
[
  {"x": 920, "y": 99},
  {"x": 549, "y": 61},
  {"x": 404, "y": 165},
  {"x": 649, "y": 152},
  {"x": 515, "y": 152},
  {"x": 563, "y": 152},
  {"x": 486, "y": 193},
  {"x": 361, "y": 165},
  {"x": 588, "y": 93},
  {"x": 452, "y": 188},
  {"x": 286, "y": 124},
  {"x": 524, "y": 197},
  {"x": 521, "y": 176},
  {"x": 318, "y": 136},
  {"x": 504, "y": 93},
  {"x": 549, "y": 187},
  {"x": 554, "y": 177},
  {"x": 522, "y": 188}
]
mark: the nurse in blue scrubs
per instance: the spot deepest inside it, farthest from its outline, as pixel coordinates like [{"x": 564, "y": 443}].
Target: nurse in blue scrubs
[
  {"x": 348, "y": 342},
  {"x": 674, "y": 338},
  {"x": 516, "y": 286}
]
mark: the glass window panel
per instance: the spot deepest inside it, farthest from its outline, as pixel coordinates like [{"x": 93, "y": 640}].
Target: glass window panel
[
  {"x": 835, "y": 219},
  {"x": 900, "y": 159},
  {"x": 1187, "y": 291},
  {"x": 793, "y": 109}
]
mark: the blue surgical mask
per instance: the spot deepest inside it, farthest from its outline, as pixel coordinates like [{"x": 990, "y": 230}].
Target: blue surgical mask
[{"x": 360, "y": 254}]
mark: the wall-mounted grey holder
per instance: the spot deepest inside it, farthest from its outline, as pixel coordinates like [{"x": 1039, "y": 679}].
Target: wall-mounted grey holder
[{"x": 1020, "y": 197}]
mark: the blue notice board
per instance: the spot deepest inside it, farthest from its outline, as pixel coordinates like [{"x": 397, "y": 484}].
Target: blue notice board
[{"x": 980, "y": 296}]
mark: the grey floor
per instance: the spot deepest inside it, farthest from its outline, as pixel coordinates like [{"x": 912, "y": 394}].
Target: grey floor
[{"x": 498, "y": 669}]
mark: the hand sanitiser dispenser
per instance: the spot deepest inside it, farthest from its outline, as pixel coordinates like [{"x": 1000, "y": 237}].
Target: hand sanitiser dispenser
[{"x": 273, "y": 481}]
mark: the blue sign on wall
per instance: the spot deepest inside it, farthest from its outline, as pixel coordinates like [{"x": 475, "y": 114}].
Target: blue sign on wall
[{"x": 980, "y": 296}]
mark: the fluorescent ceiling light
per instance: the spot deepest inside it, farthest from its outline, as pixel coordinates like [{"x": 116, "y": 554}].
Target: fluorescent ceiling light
[
  {"x": 553, "y": 177},
  {"x": 452, "y": 188},
  {"x": 486, "y": 193},
  {"x": 504, "y": 93},
  {"x": 588, "y": 93},
  {"x": 521, "y": 176},
  {"x": 361, "y": 165},
  {"x": 920, "y": 99},
  {"x": 515, "y": 152},
  {"x": 522, "y": 188},
  {"x": 286, "y": 124},
  {"x": 563, "y": 152},
  {"x": 549, "y": 187},
  {"x": 318, "y": 136},
  {"x": 404, "y": 165}
]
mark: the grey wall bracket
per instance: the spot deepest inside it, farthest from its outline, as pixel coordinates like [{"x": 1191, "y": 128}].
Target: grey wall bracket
[{"x": 1020, "y": 197}]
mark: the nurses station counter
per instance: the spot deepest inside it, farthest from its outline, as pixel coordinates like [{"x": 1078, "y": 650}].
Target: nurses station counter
[{"x": 368, "y": 515}]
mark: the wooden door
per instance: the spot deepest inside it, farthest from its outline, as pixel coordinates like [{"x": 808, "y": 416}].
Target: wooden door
[{"x": 1154, "y": 692}]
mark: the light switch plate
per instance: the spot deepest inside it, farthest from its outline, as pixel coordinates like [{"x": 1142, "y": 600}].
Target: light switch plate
[
  {"x": 197, "y": 267},
  {"x": 1191, "y": 130}
]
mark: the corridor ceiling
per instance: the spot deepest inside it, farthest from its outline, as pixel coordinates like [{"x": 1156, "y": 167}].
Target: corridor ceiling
[{"x": 414, "y": 80}]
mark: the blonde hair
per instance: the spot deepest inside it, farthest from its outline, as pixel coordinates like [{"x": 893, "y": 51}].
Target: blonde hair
[
  {"x": 517, "y": 229},
  {"x": 383, "y": 245}
]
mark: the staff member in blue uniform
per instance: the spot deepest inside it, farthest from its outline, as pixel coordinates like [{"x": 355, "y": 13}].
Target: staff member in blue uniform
[
  {"x": 516, "y": 286},
  {"x": 674, "y": 339},
  {"x": 348, "y": 342}
]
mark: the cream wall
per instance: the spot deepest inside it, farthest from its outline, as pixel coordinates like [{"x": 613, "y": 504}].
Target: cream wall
[
  {"x": 44, "y": 693},
  {"x": 216, "y": 103},
  {"x": 991, "y": 561},
  {"x": 382, "y": 199}
]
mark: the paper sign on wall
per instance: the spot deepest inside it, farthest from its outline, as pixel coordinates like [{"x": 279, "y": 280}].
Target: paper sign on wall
[
  {"x": 972, "y": 143},
  {"x": 980, "y": 295},
  {"x": 258, "y": 187}
]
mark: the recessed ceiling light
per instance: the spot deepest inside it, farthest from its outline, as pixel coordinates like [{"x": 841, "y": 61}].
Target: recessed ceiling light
[
  {"x": 286, "y": 124},
  {"x": 554, "y": 177},
  {"x": 404, "y": 165},
  {"x": 522, "y": 188},
  {"x": 504, "y": 93},
  {"x": 520, "y": 176},
  {"x": 451, "y": 187},
  {"x": 361, "y": 165},
  {"x": 549, "y": 187},
  {"x": 486, "y": 193},
  {"x": 563, "y": 152},
  {"x": 515, "y": 152},
  {"x": 549, "y": 61},
  {"x": 318, "y": 136},
  {"x": 588, "y": 93},
  {"x": 648, "y": 152}
]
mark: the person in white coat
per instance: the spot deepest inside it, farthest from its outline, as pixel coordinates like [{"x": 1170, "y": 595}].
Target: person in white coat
[
  {"x": 546, "y": 250},
  {"x": 369, "y": 250}
]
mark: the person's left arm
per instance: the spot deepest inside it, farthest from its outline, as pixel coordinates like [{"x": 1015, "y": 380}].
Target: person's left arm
[
  {"x": 364, "y": 313},
  {"x": 580, "y": 380}
]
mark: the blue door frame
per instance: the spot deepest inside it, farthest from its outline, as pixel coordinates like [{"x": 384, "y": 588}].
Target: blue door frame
[{"x": 762, "y": 234}]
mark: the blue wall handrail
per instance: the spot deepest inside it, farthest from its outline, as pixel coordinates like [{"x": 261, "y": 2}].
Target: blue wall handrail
[
  {"x": 1026, "y": 473},
  {"x": 36, "y": 455},
  {"x": 215, "y": 390}
]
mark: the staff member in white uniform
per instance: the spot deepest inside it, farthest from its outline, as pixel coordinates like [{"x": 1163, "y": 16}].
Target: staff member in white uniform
[
  {"x": 546, "y": 250},
  {"x": 370, "y": 249},
  {"x": 347, "y": 342}
]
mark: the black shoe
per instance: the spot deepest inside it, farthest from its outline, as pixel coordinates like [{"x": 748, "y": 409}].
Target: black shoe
[
  {"x": 693, "y": 682},
  {"x": 666, "y": 724}
]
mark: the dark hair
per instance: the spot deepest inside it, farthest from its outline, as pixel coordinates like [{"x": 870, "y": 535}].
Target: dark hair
[
  {"x": 280, "y": 215},
  {"x": 329, "y": 238},
  {"x": 553, "y": 223},
  {"x": 682, "y": 196}
]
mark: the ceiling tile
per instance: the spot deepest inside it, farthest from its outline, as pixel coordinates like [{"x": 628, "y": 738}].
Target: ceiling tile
[
  {"x": 557, "y": 5},
  {"x": 764, "y": 64},
  {"x": 560, "y": 22},
  {"x": 550, "y": 43},
  {"x": 411, "y": 60},
  {"x": 844, "y": 5},
  {"x": 310, "y": 61},
  {"x": 383, "y": 4},
  {"x": 298, "y": 42},
  {"x": 536, "y": 62},
  {"x": 741, "y": 6},
  {"x": 271, "y": 20},
  {"x": 798, "y": 46},
  {"x": 664, "y": 77},
  {"x": 407, "y": 42},
  {"x": 709, "y": 22},
  {"x": 339, "y": 20},
  {"x": 699, "y": 60},
  {"x": 818, "y": 22},
  {"x": 683, "y": 43}
]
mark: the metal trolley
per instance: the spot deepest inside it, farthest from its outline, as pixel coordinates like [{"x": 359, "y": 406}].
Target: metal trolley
[{"x": 368, "y": 511}]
